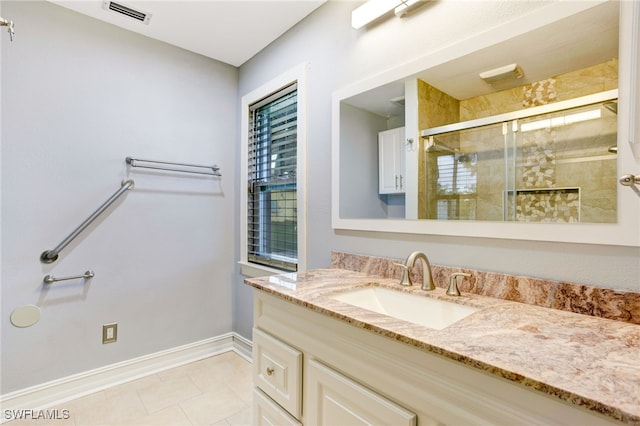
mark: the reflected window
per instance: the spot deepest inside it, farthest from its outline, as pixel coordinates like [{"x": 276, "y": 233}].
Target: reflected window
[{"x": 456, "y": 187}]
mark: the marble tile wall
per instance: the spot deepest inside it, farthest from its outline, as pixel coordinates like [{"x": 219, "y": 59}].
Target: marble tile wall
[
  {"x": 566, "y": 296},
  {"x": 557, "y": 206},
  {"x": 595, "y": 79}
]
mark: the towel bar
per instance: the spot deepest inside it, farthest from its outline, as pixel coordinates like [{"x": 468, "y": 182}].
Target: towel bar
[
  {"x": 133, "y": 162},
  {"x": 50, "y": 279}
]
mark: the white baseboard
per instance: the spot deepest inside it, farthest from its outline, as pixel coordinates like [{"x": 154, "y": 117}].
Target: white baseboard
[
  {"x": 62, "y": 390},
  {"x": 243, "y": 347}
]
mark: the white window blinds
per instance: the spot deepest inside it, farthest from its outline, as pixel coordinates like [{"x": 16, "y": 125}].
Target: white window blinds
[
  {"x": 456, "y": 190},
  {"x": 272, "y": 230}
]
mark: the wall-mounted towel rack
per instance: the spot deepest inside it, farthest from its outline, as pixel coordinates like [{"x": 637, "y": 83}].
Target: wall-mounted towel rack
[
  {"x": 164, "y": 165},
  {"x": 50, "y": 256},
  {"x": 50, "y": 279}
]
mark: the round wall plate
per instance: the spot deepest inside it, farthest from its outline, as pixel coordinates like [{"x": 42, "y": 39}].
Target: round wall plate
[{"x": 25, "y": 316}]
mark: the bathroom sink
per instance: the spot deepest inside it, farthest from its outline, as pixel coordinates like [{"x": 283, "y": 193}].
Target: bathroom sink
[{"x": 425, "y": 311}]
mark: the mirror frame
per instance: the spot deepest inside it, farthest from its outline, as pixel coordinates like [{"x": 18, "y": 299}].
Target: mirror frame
[{"x": 626, "y": 232}]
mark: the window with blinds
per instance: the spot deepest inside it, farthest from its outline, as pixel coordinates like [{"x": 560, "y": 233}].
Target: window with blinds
[
  {"x": 272, "y": 228},
  {"x": 456, "y": 190}
]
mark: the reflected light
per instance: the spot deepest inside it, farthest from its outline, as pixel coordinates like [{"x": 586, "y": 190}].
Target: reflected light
[
  {"x": 370, "y": 11},
  {"x": 561, "y": 121},
  {"x": 285, "y": 280}
]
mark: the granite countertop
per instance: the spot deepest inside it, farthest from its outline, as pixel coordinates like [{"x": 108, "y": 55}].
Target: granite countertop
[{"x": 587, "y": 361}]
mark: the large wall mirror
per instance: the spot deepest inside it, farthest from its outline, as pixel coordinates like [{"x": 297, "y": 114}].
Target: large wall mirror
[{"x": 522, "y": 137}]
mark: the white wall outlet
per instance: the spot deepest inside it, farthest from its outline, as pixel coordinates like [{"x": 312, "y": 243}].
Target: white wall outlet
[{"x": 109, "y": 333}]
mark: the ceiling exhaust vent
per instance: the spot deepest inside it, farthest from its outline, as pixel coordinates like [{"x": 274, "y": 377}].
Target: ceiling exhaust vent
[{"x": 138, "y": 15}]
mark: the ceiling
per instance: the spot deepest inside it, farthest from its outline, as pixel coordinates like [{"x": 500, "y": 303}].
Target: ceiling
[
  {"x": 230, "y": 31},
  {"x": 576, "y": 42}
]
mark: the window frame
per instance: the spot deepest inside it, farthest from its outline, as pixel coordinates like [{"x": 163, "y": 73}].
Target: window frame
[{"x": 295, "y": 75}]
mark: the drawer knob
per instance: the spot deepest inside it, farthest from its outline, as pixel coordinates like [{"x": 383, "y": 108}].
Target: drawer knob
[{"x": 269, "y": 371}]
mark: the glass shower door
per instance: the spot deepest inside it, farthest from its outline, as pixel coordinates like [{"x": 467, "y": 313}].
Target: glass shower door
[{"x": 566, "y": 165}]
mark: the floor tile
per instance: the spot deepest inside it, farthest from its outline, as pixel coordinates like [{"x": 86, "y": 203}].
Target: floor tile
[
  {"x": 117, "y": 410},
  {"x": 167, "y": 392},
  {"x": 213, "y": 391},
  {"x": 133, "y": 386},
  {"x": 243, "y": 418},
  {"x": 213, "y": 406},
  {"x": 242, "y": 384},
  {"x": 171, "y": 416}
]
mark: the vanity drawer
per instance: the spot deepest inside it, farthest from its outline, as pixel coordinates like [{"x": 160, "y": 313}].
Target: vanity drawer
[
  {"x": 266, "y": 412},
  {"x": 277, "y": 370}
]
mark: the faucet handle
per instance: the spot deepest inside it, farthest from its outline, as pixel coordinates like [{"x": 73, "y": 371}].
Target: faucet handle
[
  {"x": 453, "y": 283},
  {"x": 406, "y": 277}
]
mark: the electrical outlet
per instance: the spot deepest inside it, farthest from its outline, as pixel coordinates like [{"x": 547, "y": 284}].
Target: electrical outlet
[{"x": 109, "y": 333}]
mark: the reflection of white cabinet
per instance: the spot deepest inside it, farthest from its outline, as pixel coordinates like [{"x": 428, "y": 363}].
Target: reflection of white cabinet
[{"x": 391, "y": 162}]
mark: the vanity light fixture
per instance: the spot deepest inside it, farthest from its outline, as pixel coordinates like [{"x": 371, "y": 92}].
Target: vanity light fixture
[
  {"x": 374, "y": 9},
  {"x": 407, "y": 6}
]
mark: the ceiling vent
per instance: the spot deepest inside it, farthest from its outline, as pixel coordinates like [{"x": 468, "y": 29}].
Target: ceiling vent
[
  {"x": 138, "y": 15},
  {"x": 398, "y": 101}
]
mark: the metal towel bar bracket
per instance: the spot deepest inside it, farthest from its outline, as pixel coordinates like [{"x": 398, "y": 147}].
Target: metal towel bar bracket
[
  {"x": 50, "y": 256},
  {"x": 630, "y": 180},
  {"x": 50, "y": 279},
  {"x": 9, "y": 24},
  {"x": 134, "y": 162}
]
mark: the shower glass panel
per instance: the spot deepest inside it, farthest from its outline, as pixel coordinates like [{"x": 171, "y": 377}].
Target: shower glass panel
[
  {"x": 465, "y": 174},
  {"x": 553, "y": 167},
  {"x": 566, "y": 166}
]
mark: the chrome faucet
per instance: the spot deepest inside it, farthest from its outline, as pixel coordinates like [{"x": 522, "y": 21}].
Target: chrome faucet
[
  {"x": 453, "y": 283},
  {"x": 427, "y": 279}
]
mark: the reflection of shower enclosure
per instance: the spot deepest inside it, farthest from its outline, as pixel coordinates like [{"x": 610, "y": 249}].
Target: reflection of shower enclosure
[
  {"x": 552, "y": 163},
  {"x": 455, "y": 180}
]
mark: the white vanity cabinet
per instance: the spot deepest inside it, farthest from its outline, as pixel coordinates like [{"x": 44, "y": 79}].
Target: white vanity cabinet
[
  {"x": 391, "y": 161},
  {"x": 352, "y": 376}
]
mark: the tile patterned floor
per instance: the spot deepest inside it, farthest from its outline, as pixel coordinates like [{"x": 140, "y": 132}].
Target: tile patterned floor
[{"x": 214, "y": 391}]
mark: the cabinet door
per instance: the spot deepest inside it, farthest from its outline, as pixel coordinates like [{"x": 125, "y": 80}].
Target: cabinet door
[
  {"x": 268, "y": 413},
  {"x": 391, "y": 162},
  {"x": 333, "y": 399}
]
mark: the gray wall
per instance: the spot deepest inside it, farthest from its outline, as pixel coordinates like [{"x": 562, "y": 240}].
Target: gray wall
[
  {"x": 359, "y": 163},
  {"x": 338, "y": 56},
  {"x": 78, "y": 96}
]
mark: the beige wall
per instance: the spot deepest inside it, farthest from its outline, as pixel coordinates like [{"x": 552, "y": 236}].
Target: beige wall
[{"x": 595, "y": 79}]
